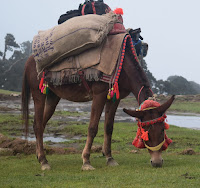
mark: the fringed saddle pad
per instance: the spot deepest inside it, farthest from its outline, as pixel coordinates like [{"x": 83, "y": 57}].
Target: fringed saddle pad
[
  {"x": 110, "y": 56},
  {"x": 69, "y": 76}
]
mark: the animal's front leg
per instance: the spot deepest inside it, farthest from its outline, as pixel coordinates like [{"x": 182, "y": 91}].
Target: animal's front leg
[
  {"x": 108, "y": 130},
  {"x": 96, "y": 111}
]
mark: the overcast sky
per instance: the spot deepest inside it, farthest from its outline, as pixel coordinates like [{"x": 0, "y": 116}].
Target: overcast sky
[{"x": 170, "y": 27}]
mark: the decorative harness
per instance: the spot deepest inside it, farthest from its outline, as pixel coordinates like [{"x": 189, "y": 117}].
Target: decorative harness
[{"x": 143, "y": 135}]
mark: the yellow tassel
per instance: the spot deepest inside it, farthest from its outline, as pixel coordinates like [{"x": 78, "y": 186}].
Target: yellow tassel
[
  {"x": 45, "y": 89},
  {"x": 108, "y": 97}
]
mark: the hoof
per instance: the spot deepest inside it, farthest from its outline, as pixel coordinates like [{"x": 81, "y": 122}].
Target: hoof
[
  {"x": 87, "y": 167},
  {"x": 111, "y": 162},
  {"x": 45, "y": 167}
]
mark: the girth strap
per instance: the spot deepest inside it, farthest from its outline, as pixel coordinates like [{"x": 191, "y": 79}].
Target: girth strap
[{"x": 81, "y": 74}]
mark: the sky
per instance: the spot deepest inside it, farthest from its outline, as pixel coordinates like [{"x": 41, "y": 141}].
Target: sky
[{"x": 170, "y": 27}]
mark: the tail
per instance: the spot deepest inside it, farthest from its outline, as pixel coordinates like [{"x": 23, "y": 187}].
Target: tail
[{"x": 25, "y": 102}]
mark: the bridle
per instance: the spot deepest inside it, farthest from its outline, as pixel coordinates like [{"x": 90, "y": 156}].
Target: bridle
[
  {"x": 144, "y": 135},
  {"x": 155, "y": 148},
  {"x": 139, "y": 93}
]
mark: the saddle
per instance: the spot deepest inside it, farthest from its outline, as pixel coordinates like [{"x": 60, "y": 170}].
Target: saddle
[{"x": 95, "y": 63}]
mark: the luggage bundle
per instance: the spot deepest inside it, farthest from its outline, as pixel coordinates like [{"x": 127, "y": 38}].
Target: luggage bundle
[
  {"x": 89, "y": 7},
  {"x": 71, "y": 38}
]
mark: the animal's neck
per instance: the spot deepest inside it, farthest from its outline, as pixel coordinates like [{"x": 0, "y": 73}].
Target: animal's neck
[{"x": 138, "y": 82}]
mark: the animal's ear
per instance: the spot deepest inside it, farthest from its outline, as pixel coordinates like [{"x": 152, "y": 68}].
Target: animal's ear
[
  {"x": 134, "y": 113},
  {"x": 162, "y": 109}
]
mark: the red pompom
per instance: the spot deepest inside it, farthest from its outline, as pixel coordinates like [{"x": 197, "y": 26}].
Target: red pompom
[
  {"x": 166, "y": 125},
  {"x": 138, "y": 143},
  {"x": 119, "y": 11},
  {"x": 145, "y": 136}
]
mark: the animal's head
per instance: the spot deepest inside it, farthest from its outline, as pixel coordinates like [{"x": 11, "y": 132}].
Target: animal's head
[{"x": 151, "y": 128}]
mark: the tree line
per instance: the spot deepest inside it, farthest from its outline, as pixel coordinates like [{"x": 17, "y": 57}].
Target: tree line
[
  {"x": 174, "y": 85},
  {"x": 12, "y": 61},
  {"x": 14, "y": 56}
]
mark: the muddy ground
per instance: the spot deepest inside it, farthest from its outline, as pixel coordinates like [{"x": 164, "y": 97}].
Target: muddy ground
[{"x": 12, "y": 104}]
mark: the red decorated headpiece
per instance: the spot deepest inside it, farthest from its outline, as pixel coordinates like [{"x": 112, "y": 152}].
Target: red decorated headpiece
[{"x": 142, "y": 135}]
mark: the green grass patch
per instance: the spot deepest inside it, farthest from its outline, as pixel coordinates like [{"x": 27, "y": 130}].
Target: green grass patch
[
  {"x": 67, "y": 113},
  {"x": 10, "y": 124},
  {"x": 134, "y": 171},
  {"x": 192, "y": 107},
  {"x": 7, "y": 92}
]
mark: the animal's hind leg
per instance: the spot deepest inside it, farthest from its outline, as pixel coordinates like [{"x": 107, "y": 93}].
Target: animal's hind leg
[
  {"x": 50, "y": 106},
  {"x": 96, "y": 111},
  {"x": 110, "y": 111},
  {"x": 39, "y": 103}
]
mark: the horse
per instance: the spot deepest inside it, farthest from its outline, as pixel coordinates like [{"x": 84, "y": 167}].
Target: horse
[{"x": 132, "y": 80}]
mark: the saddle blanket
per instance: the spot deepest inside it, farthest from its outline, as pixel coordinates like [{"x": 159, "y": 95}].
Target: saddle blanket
[{"x": 102, "y": 63}]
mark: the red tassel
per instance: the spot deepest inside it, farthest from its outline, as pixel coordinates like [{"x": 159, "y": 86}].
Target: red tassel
[
  {"x": 41, "y": 81},
  {"x": 119, "y": 11},
  {"x": 164, "y": 146},
  {"x": 117, "y": 91},
  {"x": 168, "y": 140},
  {"x": 166, "y": 126},
  {"x": 138, "y": 143},
  {"x": 145, "y": 136}
]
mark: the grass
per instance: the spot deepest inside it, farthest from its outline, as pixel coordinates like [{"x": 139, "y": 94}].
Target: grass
[
  {"x": 7, "y": 92},
  {"x": 134, "y": 169},
  {"x": 192, "y": 107},
  {"x": 67, "y": 113},
  {"x": 10, "y": 124}
]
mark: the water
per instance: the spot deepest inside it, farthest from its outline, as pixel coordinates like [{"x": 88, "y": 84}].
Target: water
[
  {"x": 187, "y": 121},
  {"x": 192, "y": 122},
  {"x": 48, "y": 138}
]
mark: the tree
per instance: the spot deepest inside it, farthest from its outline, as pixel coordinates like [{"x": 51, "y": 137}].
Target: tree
[
  {"x": 9, "y": 44},
  {"x": 12, "y": 69},
  {"x": 26, "y": 48},
  {"x": 180, "y": 86}
]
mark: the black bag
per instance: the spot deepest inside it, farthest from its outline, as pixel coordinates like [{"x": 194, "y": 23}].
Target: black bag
[
  {"x": 89, "y": 7},
  {"x": 94, "y": 7},
  {"x": 68, "y": 15},
  {"x": 136, "y": 37}
]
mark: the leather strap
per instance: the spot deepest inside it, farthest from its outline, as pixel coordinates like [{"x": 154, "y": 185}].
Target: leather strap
[
  {"x": 93, "y": 8},
  {"x": 81, "y": 74}
]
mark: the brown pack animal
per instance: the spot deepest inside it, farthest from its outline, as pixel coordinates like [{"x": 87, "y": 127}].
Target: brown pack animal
[{"x": 132, "y": 80}]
